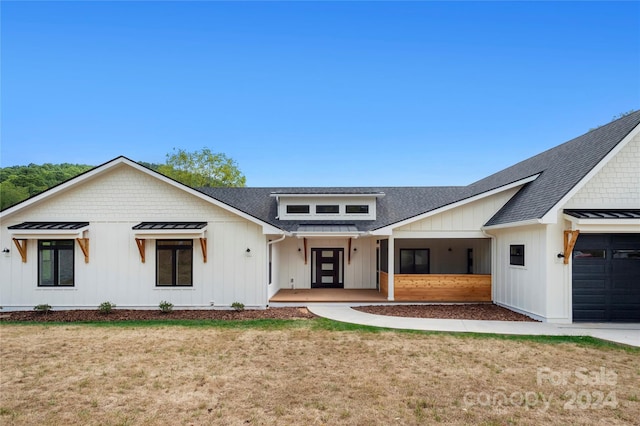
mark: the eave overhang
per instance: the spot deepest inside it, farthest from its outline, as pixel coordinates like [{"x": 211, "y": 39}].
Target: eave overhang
[
  {"x": 327, "y": 231},
  {"x": 50, "y": 230},
  {"x": 612, "y": 219}
]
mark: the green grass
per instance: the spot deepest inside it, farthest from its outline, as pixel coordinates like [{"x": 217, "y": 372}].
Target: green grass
[{"x": 330, "y": 325}]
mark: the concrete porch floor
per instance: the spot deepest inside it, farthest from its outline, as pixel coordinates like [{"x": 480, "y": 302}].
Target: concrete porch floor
[{"x": 332, "y": 295}]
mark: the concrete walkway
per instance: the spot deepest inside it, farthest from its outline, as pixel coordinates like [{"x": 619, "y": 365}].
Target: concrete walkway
[{"x": 628, "y": 334}]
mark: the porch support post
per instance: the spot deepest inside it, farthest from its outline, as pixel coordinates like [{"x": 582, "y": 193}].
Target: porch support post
[{"x": 391, "y": 266}]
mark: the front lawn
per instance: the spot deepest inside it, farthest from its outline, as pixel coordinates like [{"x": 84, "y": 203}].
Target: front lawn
[{"x": 306, "y": 372}]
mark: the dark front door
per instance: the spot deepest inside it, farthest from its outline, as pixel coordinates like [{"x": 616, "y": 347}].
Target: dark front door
[{"x": 327, "y": 265}]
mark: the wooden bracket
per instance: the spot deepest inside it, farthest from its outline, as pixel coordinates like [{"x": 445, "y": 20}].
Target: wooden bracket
[
  {"x": 203, "y": 245},
  {"x": 84, "y": 246},
  {"x": 22, "y": 248},
  {"x": 304, "y": 242},
  {"x": 570, "y": 238},
  {"x": 349, "y": 253},
  {"x": 140, "y": 242}
]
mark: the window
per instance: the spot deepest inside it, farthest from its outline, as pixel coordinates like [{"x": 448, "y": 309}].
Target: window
[
  {"x": 516, "y": 254},
  {"x": 326, "y": 209},
  {"x": 297, "y": 209},
  {"x": 590, "y": 254},
  {"x": 174, "y": 263},
  {"x": 626, "y": 254},
  {"x": 357, "y": 209},
  {"x": 55, "y": 263},
  {"x": 414, "y": 261}
]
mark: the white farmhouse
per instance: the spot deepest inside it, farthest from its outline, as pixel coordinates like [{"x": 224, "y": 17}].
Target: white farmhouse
[{"x": 556, "y": 237}]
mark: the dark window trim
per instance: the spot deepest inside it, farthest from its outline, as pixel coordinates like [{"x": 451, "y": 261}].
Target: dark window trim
[
  {"x": 357, "y": 209},
  {"x": 516, "y": 254},
  {"x": 55, "y": 262},
  {"x": 413, "y": 265},
  {"x": 301, "y": 209},
  {"x": 173, "y": 249},
  {"x": 329, "y": 208}
]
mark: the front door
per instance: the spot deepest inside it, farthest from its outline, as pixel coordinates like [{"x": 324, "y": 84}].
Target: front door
[{"x": 327, "y": 267}]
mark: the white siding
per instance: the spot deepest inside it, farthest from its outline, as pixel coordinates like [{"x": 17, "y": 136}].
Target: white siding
[
  {"x": 616, "y": 185},
  {"x": 293, "y": 273},
  {"x": 113, "y": 202},
  {"x": 522, "y": 288},
  {"x": 468, "y": 217}
]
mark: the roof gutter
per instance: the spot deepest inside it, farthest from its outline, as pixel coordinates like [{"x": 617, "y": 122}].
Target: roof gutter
[
  {"x": 284, "y": 235},
  {"x": 513, "y": 224}
]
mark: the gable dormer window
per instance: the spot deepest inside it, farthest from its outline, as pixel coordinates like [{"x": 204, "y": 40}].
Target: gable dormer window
[
  {"x": 298, "y": 209},
  {"x": 357, "y": 209},
  {"x": 327, "y": 209},
  {"x": 323, "y": 206}
]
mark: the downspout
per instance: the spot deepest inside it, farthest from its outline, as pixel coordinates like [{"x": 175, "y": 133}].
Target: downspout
[
  {"x": 269, "y": 243},
  {"x": 277, "y": 241}
]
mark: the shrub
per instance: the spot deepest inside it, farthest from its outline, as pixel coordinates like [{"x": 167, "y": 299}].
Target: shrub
[
  {"x": 42, "y": 308},
  {"x": 106, "y": 307},
  {"x": 238, "y": 306},
  {"x": 166, "y": 307}
]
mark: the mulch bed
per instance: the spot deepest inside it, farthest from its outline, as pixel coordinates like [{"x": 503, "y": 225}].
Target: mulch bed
[
  {"x": 472, "y": 312},
  {"x": 137, "y": 315},
  {"x": 467, "y": 312}
]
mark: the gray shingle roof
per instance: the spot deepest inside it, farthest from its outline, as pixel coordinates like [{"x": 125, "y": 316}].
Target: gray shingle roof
[
  {"x": 399, "y": 203},
  {"x": 560, "y": 169}
]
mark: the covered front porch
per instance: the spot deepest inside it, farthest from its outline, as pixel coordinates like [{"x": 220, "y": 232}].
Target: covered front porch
[
  {"x": 448, "y": 269},
  {"x": 328, "y": 295}
]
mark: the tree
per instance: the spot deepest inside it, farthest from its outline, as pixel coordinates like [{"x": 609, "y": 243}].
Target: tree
[
  {"x": 202, "y": 168},
  {"x": 20, "y": 182},
  {"x": 11, "y": 194}
]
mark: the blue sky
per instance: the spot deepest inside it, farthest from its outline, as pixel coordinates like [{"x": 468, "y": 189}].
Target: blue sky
[{"x": 314, "y": 93}]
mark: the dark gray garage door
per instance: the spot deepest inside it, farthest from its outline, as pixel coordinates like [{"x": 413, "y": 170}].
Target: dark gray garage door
[{"x": 606, "y": 278}]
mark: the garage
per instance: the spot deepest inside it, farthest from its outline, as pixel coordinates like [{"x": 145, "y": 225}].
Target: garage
[{"x": 606, "y": 278}]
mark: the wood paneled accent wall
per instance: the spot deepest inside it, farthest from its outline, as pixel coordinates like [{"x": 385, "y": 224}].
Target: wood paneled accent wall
[
  {"x": 441, "y": 288},
  {"x": 384, "y": 283}
]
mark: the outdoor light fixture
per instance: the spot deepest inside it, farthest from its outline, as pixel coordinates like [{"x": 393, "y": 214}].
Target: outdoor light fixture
[
  {"x": 248, "y": 252},
  {"x": 5, "y": 250},
  {"x": 560, "y": 255}
]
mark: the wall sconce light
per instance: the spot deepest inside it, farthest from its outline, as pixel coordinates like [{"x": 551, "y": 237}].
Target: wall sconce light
[
  {"x": 5, "y": 251},
  {"x": 560, "y": 255}
]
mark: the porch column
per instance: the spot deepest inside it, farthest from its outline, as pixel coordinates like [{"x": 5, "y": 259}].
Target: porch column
[{"x": 391, "y": 267}]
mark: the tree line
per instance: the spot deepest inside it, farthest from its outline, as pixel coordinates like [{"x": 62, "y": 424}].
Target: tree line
[{"x": 196, "y": 169}]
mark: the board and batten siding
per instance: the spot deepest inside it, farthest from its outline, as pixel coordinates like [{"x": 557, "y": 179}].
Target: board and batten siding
[
  {"x": 468, "y": 217},
  {"x": 293, "y": 273},
  {"x": 113, "y": 202},
  {"x": 522, "y": 288}
]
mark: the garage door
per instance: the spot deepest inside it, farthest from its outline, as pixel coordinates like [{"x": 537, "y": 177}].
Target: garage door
[{"x": 606, "y": 278}]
